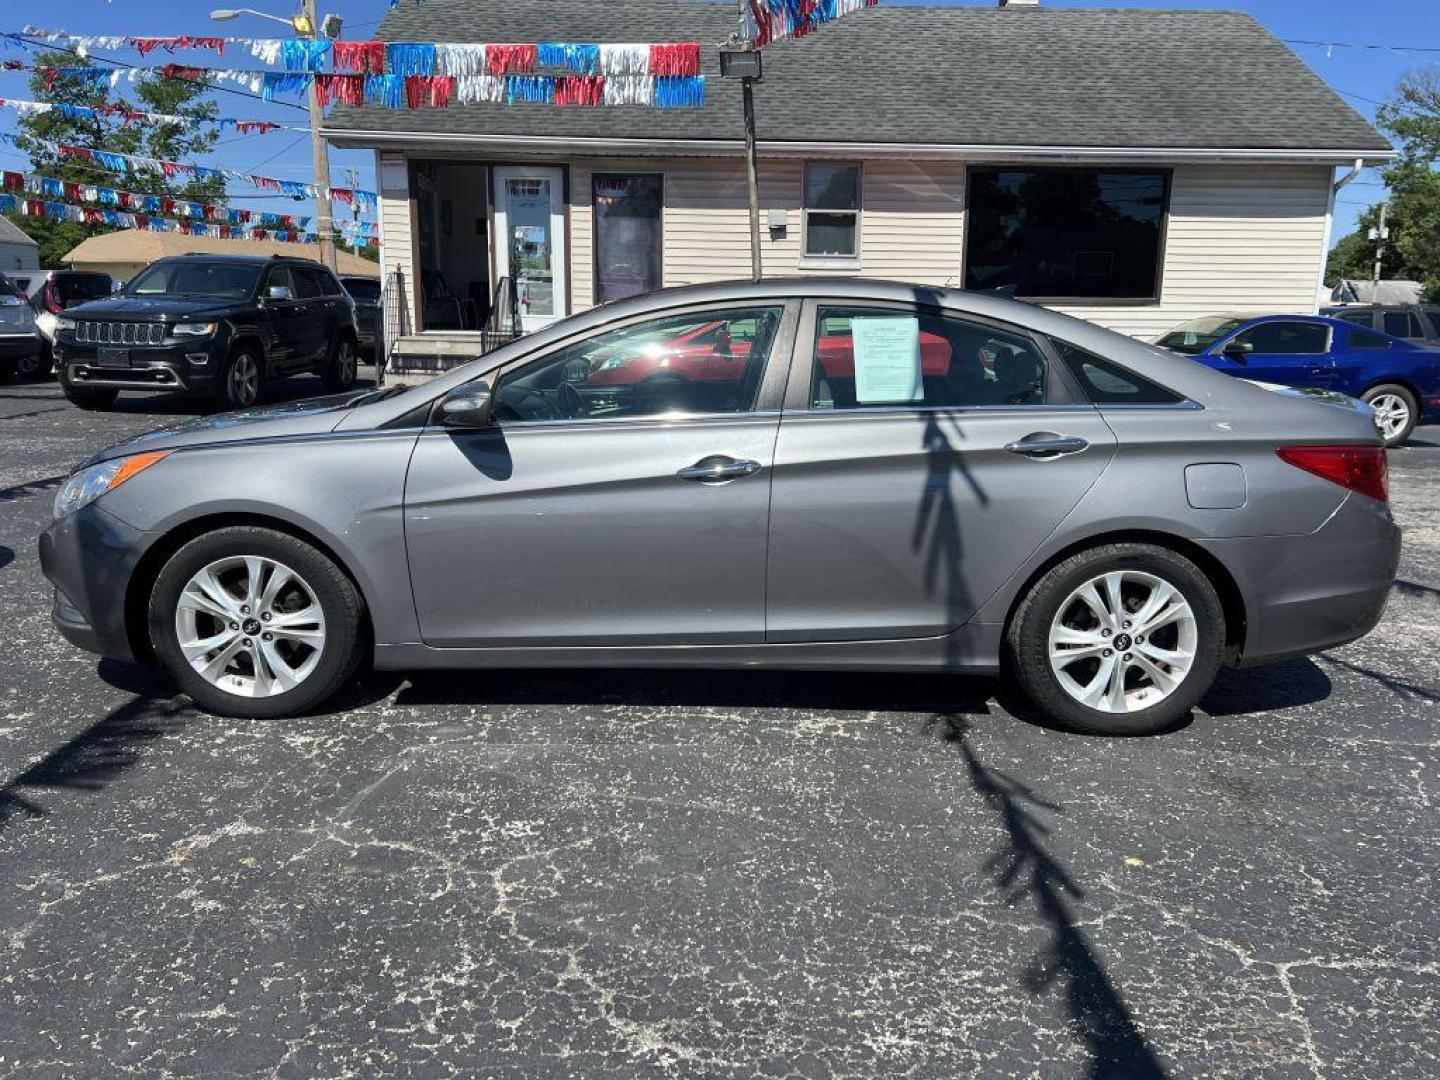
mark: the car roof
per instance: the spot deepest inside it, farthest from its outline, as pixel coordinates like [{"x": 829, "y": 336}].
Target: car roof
[{"x": 240, "y": 260}]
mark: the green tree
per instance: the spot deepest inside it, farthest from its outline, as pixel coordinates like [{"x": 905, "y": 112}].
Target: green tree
[
  {"x": 1413, "y": 218},
  {"x": 165, "y": 141}
]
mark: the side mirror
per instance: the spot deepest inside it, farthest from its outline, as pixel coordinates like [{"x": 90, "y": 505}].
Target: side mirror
[
  {"x": 1239, "y": 351},
  {"x": 467, "y": 406},
  {"x": 280, "y": 292}
]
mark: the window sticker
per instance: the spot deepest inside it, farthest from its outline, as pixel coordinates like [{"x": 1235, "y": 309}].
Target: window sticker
[{"x": 887, "y": 359}]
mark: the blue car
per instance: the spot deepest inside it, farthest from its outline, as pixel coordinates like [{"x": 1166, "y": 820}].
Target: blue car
[{"x": 1399, "y": 379}]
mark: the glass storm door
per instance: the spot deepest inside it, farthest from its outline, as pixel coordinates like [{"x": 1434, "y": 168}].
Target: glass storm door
[{"x": 530, "y": 240}]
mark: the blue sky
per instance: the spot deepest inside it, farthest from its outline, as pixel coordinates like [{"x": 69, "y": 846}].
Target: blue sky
[{"x": 1363, "y": 76}]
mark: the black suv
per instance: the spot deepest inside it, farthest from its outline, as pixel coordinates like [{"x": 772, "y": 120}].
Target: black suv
[
  {"x": 211, "y": 324},
  {"x": 1419, "y": 323}
]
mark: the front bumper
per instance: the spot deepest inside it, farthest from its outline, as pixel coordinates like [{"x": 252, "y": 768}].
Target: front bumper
[
  {"x": 89, "y": 556},
  {"x": 180, "y": 366},
  {"x": 1304, "y": 594}
]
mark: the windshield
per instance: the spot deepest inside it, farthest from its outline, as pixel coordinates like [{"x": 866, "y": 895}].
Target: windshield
[
  {"x": 227, "y": 281},
  {"x": 1197, "y": 335}
]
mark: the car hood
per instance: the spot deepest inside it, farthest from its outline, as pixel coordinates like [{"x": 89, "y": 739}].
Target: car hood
[
  {"x": 151, "y": 307},
  {"x": 296, "y": 419}
]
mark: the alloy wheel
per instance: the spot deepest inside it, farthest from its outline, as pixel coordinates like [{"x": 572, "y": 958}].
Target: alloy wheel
[
  {"x": 1123, "y": 641},
  {"x": 250, "y": 626},
  {"x": 345, "y": 364},
  {"x": 1392, "y": 414},
  {"x": 243, "y": 379}
]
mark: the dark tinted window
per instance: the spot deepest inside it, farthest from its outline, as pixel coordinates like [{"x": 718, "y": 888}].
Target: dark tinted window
[
  {"x": 328, "y": 285},
  {"x": 307, "y": 283},
  {"x": 1368, "y": 339},
  {"x": 702, "y": 362},
  {"x": 627, "y": 234},
  {"x": 876, "y": 357},
  {"x": 1287, "y": 338},
  {"x": 363, "y": 288},
  {"x": 1065, "y": 232},
  {"x": 1106, "y": 383},
  {"x": 1358, "y": 316},
  {"x": 78, "y": 288},
  {"x": 1403, "y": 324}
]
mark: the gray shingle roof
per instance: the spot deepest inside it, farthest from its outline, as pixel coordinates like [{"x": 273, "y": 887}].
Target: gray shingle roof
[
  {"x": 10, "y": 233},
  {"x": 950, "y": 75}
]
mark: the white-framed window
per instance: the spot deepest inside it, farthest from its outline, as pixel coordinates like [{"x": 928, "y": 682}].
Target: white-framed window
[{"x": 832, "y": 210}]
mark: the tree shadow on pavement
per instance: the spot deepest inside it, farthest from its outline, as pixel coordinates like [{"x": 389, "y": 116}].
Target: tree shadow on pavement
[
  {"x": 1393, "y": 683},
  {"x": 1023, "y": 868},
  {"x": 97, "y": 755}
]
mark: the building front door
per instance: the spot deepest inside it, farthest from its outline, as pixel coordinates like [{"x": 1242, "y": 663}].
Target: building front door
[{"x": 530, "y": 241}]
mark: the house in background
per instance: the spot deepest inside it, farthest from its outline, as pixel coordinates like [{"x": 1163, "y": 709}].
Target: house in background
[
  {"x": 1136, "y": 168},
  {"x": 125, "y": 253},
  {"x": 18, "y": 252}
]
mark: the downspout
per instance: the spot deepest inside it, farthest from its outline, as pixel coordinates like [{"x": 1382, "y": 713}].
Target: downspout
[{"x": 1335, "y": 189}]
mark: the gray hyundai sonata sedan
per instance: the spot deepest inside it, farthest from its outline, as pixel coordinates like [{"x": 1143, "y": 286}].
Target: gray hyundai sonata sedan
[{"x": 800, "y": 473}]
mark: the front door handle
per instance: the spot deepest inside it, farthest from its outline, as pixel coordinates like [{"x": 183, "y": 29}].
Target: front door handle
[
  {"x": 1047, "y": 444},
  {"x": 719, "y": 469}
]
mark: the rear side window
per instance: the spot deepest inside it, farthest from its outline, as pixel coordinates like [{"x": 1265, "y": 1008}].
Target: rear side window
[
  {"x": 1106, "y": 383},
  {"x": 362, "y": 288},
  {"x": 328, "y": 285},
  {"x": 1287, "y": 338},
  {"x": 874, "y": 357},
  {"x": 1368, "y": 339},
  {"x": 1360, "y": 317},
  {"x": 1403, "y": 324}
]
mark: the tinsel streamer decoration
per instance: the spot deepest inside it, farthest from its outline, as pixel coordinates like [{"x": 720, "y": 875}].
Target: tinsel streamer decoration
[
  {"x": 587, "y": 90},
  {"x": 679, "y": 91},
  {"x": 584, "y": 59},
  {"x": 305, "y": 55},
  {"x": 539, "y": 88},
  {"x": 510, "y": 59},
  {"x": 410, "y": 59},
  {"x": 460, "y": 60},
  {"x": 386, "y": 90},
  {"x": 677, "y": 59},
  {"x": 360, "y": 57}
]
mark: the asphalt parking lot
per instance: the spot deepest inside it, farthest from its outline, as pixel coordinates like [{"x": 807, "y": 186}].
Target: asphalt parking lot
[{"x": 636, "y": 874}]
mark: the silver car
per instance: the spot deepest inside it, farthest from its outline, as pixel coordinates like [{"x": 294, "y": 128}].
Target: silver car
[{"x": 798, "y": 473}]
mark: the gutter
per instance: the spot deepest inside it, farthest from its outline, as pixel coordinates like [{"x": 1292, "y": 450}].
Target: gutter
[{"x": 572, "y": 146}]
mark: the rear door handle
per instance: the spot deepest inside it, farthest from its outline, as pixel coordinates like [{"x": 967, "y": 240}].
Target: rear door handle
[
  {"x": 719, "y": 469},
  {"x": 1047, "y": 444}
]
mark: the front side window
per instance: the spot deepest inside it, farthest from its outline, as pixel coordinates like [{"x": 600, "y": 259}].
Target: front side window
[
  {"x": 280, "y": 278},
  {"x": 832, "y": 210},
  {"x": 1286, "y": 338},
  {"x": 1403, "y": 324},
  {"x": 703, "y": 362},
  {"x": 627, "y": 234},
  {"x": 1066, "y": 233},
  {"x": 868, "y": 357}
]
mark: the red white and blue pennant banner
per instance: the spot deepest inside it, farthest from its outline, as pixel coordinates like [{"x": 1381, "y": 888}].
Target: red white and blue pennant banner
[
  {"x": 133, "y": 163},
  {"x": 771, "y": 20},
  {"x": 421, "y": 91},
  {"x": 55, "y": 210},
  {"x": 38, "y": 187},
  {"x": 136, "y": 116}
]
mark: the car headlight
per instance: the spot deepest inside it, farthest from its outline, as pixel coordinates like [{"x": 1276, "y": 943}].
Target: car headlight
[
  {"x": 86, "y": 485},
  {"x": 62, "y": 323},
  {"x": 195, "y": 329}
]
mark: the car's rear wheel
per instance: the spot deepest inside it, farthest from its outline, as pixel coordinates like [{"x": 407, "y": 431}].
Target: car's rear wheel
[
  {"x": 254, "y": 622},
  {"x": 239, "y": 386},
  {"x": 1122, "y": 639},
  {"x": 34, "y": 366},
  {"x": 1396, "y": 411},
  {"x": 341, "y": 367}
]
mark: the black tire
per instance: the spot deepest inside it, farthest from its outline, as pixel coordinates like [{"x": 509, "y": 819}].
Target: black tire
[
  {"x": 342, "y": 365},
  {"x": 94, "y": 398},
  {"x": 1394, "y": 391},
  {"x": 333, "y": 591},
  {"x": 235, "y": 392},
  {"x": 36, "y": 366},
  {"x": 1029, "y": 630}
]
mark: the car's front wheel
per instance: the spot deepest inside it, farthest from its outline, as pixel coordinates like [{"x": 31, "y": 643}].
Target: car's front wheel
[
  {"x": 239, "y": 386},
  {"x": 1396, "y": 411},
  {"x": 253, "y": 622},
  {"x": 1122, "y": 639}
]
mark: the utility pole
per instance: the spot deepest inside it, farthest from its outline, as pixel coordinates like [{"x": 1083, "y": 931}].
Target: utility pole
[
  {"x": 1379, "y": 234},
  {"x": 739, "y": 58},
  {"x": 319, "y": 154},
  {"x": 352, "y": 181}
]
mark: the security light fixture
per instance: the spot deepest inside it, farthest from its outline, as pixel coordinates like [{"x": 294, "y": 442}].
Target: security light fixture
[{"x": 739, "y": 63}]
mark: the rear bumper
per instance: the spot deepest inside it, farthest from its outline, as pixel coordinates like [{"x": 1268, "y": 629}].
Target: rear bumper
[
  {"x": 1304, "y": 594},
  {"x": 89, "y": 557}
]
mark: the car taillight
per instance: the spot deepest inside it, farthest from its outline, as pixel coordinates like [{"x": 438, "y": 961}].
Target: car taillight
[
  {"x": 1359, "y": 468},
  {"x": 50, "y": 297}
]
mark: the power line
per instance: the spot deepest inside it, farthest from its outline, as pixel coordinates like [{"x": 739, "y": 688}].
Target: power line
[{"x": 1362, "y": 45}]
